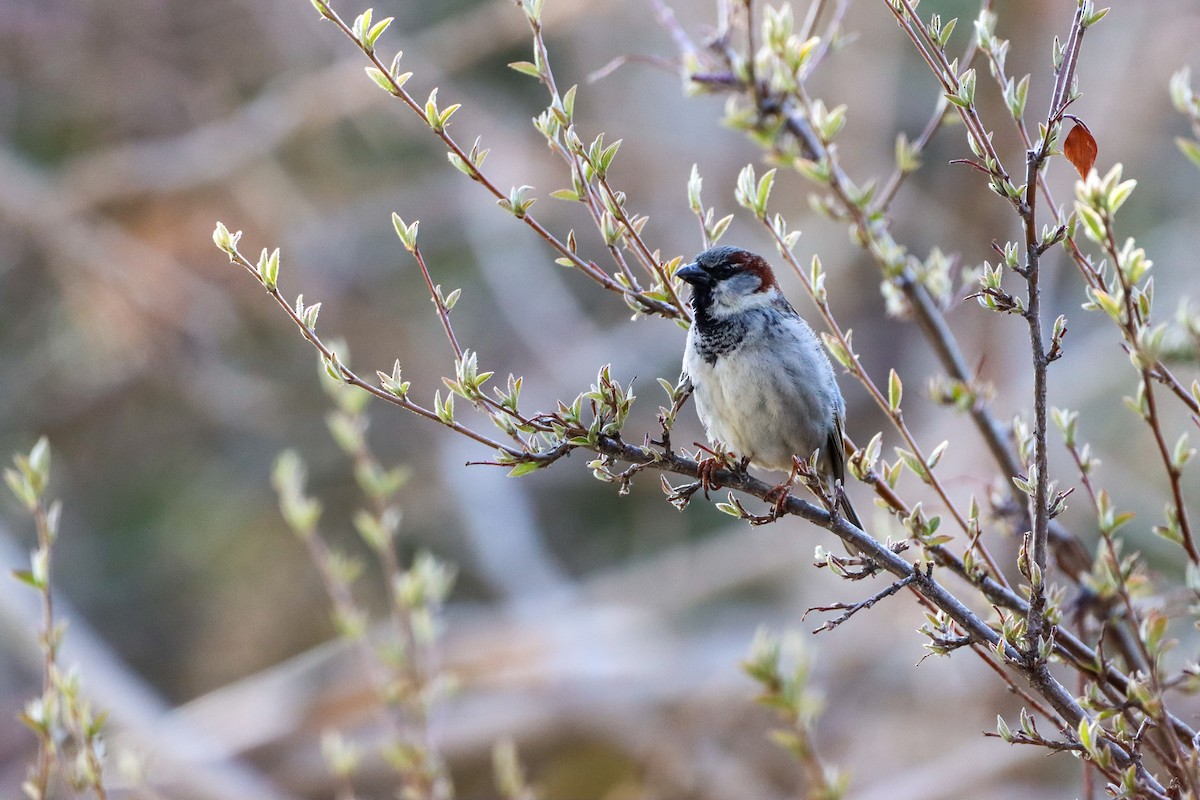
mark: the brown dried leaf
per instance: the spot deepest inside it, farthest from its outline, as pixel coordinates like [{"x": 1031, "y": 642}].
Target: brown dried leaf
[{"x": 1080, "y": 148}]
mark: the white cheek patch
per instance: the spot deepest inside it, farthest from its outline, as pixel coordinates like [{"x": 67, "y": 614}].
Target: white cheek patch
[{"x": 739, "y": 294}]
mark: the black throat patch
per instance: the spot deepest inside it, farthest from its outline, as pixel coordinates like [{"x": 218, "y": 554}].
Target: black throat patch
[{"x": 716, "y": 337}]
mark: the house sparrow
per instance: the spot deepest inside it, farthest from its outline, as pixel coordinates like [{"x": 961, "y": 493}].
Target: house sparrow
[{"x": 763, "y": 383}]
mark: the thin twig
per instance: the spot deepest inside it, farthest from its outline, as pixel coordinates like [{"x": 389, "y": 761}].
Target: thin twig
[
  {"x": 853, "y": 608},
  {"x": 442, "y": 311},
  {"x": 1041, "y": 509}
]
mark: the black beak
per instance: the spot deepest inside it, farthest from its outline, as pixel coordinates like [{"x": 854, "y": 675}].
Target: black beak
[{"x": 694, "y": 274}]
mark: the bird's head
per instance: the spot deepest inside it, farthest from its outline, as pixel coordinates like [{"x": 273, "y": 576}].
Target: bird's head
[{"x": 727, "y": 281}]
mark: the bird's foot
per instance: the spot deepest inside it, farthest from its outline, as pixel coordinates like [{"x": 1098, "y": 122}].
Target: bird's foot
[
  {"x": 806, "y": 472},
  {"x": 716, "y": 460},
  {"x": 708, "y": 466},
  {"x": 741, "y": 467},
  {"x": 778, "y": 496}
]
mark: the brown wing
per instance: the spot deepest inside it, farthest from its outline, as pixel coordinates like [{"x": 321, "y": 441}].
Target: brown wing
[{"x": 836, "y": 449}]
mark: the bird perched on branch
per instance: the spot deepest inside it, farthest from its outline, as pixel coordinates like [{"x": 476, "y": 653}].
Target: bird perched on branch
[{"x": 763, "y": 384}]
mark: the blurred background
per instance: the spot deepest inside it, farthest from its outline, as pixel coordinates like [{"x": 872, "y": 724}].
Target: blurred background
[{"x": 603, "y": 633}]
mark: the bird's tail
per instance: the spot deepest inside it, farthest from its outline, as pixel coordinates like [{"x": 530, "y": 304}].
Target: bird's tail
[
  {"x": 852, "y": 517},
  {"x": 848, "y": 511}
]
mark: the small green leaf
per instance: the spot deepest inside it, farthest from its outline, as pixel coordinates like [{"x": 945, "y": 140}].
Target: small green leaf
[
  {"x": 333, "y": 367},
  {"x": 744, "y": 190},
  {"x": 1088, "y": 732},
  {"x": 728, "y": 508},
  {"x": 606, "y": 157},
  {"x": 913, "y": 463},
  {"x": 1189, "y": 148},
  {"x": 431, "y": 109},
  {"x": 27, "y": 577},
  {"x": 837, "y": 350},
  {"x": 444, "y": 117},
  {"x": 39, "y": 563},
  {"x": 444, "y": 411},
  {"x": 947, "y": 29},
  {"x": 361, "y": 24},
  {"x": 523, "y": 468},
  {"x": 1181, "y": 91},
  {"x": 1106, "y": 302},
  {"x": 222, "y": 238},
  {"x": 375, "y": 32},
  {"x": 381, "y": 80},
  {"x": 407, "y": 233},
  {"x": 568, "y": 102},
  {"x": 966, "y": 87},
  {"x": 39, "y": 459},
  {"x": 21, "y": 488},
  {"x": 460, "y": 165},
  {"x": 1092, "y": 222},
  {"x": 533, "y": 9},
  {"x": 517, "y": 202},
  {"x": 932, "y": 460},
  {"x": 895, "y": 391},
  {"x": 907, "y": 159},
  {"x": 719, "y": 227},
  {"x": 1015, "y": 94},
  {"x": 956, "y": 100},
  {"x": 394, "y": 384},
  {"x": 695, "y": 182},
  {"x": 1182, "y": 453},
  {"x": 268, "y": 268},
  {"x": 828, "y": 122},
  {"x": 816, "y": 171}
]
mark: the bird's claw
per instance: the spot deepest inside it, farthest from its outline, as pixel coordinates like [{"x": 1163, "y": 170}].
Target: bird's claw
[
  {"x": 778, "y": 496},
  {"x": 706, "y": 470},
  {"x": 717, "y": 460}
]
